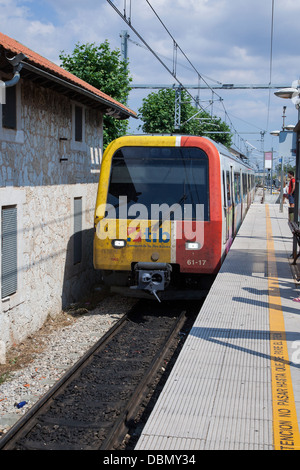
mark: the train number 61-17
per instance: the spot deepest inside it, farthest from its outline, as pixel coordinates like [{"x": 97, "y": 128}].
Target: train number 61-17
[{"x": 192, "y": 262}]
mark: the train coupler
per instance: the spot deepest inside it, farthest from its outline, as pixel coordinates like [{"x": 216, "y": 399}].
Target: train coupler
[{"x": 152, "y": 277}]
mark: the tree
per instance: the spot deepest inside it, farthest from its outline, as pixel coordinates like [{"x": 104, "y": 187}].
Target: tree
[
  {"x": 157, "y": 113},
  {"x": 286, "y": 168},
  {"x": 102, "y": 68}
]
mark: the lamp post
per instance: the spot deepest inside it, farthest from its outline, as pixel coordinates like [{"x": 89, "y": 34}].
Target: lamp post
[
  {"x": 284, "y": 142},
  {"x": 293, "y": 94},
  {"x": 277, "y": 133}
]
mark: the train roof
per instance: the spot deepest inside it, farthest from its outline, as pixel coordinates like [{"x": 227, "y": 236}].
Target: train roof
[
  {"x": 237, "y": 156},
  {"x": 230, "y": 153}
]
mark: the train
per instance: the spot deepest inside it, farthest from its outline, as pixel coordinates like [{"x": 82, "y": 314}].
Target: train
[{"x": 168, "y": 208}]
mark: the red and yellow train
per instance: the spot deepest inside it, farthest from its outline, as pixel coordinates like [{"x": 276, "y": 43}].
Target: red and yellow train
[{"x": 167, "y": 211}]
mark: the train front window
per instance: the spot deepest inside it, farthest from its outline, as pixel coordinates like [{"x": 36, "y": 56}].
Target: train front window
[{"x": 159, "y": 175}]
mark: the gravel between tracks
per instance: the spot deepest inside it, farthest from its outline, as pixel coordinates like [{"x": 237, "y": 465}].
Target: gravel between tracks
[{"x": 36, "y": 364}]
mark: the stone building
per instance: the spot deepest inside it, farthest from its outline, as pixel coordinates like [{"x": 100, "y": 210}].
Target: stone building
[{"x": 51, "y": 129}]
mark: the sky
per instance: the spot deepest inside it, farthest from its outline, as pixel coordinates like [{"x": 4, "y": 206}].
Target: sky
[{"x": 223, "y": 41}]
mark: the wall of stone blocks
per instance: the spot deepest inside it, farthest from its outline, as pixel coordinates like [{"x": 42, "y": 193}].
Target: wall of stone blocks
[{"x": 42, "y": 170}]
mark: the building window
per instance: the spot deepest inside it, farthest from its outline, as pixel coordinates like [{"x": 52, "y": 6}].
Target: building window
[
  {"x": 77, "y": 230},
  {"x": 78, "y": 124},
  {"x": 78, "y": 128},
  {"x": 9, "y": 268},
  {"x": 9, "y": 109},
  {"x": 10, "y": 115}
]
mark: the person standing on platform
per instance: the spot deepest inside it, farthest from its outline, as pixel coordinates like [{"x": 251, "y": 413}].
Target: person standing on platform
[
  {"x": 291, "y": 194},
  {"x": 291, "y": 197}
]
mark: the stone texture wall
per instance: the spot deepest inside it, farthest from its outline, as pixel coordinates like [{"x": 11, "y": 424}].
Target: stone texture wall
[{"x": 42, "y": 170}]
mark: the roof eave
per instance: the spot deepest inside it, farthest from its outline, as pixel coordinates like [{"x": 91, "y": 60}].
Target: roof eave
[{"x": 108, "y": 107}]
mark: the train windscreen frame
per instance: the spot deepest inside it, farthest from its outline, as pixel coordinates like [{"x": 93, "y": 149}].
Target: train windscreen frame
[{"x": 160, "y": 175}]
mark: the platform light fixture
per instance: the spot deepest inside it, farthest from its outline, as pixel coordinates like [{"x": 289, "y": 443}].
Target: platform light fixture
[
  {"x": 286, "y": 93},
  {"x": 275, "y": 133},
  {"x": 292, "y": 93}
]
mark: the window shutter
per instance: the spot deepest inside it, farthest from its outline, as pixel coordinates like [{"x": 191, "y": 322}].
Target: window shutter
[
  {"x": 9, "y": 109},
  {"x": 77, "y": 230},
  {"x": 9, "y": 273},
  {"x": 78, "y": 124}
]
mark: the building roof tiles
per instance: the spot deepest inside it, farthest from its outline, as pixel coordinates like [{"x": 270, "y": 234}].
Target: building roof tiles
[{"x": 15, "y": 47}]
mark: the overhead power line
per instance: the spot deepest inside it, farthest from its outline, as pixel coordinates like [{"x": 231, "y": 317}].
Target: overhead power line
[
  {"x": 181, "y": 86},
  {"x": 222, "y": 86},
  {"x": 144, "y": 42},
  {"x": 167, "y": 58},
  {"x": 177, "y": 45}
]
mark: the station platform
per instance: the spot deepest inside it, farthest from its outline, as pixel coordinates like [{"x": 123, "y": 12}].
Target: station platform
[{"x": 236, "y": 382}]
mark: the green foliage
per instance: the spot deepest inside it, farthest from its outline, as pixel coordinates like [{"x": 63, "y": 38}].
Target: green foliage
[
  {"x": 157, "y": 114},
  {"x": 102, "y": 68},
  {"x": 286, "y": 168}
]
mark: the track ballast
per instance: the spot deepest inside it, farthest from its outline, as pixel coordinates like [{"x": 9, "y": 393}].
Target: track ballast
[{"x": 94, "y": 404}]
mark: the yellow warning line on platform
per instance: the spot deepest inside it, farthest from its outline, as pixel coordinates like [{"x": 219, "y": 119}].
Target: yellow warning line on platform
[{"x": 285, "y": 424}]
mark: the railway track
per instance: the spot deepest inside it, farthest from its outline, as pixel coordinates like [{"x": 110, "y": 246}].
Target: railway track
[{"x": 93, "y": 406}]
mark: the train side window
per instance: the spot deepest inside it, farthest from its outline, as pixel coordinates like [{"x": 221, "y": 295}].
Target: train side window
[
  {"x": 228, "y": 188},
  {"x": 224, "y": 190},
  {"x": 237, "y": 187},
  {"x": 245, "y": 189}
]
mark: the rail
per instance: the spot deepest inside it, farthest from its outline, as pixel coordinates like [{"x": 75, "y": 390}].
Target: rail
[
  {"x": 18, "y": 427},
  {"x": 95, "y": 403}
]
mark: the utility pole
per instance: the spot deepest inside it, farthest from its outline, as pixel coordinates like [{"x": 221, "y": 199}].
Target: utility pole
[
  {"x": 262, "y": 134},
  {"x": 124, "y": 44},
  {"x": 177, "y": 118}
]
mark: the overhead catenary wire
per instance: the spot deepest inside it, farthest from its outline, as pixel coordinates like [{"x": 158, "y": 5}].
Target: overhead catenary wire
[
  {"x": 199, "y": 75},
  {"x": 176, "y": 47},
  {"x": 213, "y": 92},
  {"x": 179, "y": 63},
  {"x": 129, "y": 23}
]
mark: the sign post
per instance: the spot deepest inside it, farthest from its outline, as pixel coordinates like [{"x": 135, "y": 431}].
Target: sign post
[{"x": 268, "y": 165}]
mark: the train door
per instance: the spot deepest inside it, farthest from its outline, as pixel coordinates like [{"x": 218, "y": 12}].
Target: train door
[
  {"x": 243, "y": 194},
  {"x": 232, "y": 201},
  {"x": 248, "y": 190},
  {"x": 238, "y": 200},
  {"x": 227, "y": 205}
]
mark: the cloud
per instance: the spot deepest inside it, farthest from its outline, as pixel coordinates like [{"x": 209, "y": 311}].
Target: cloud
[
  {"x": 36, "y": 28},
  {"x": 229, "y": 41}
]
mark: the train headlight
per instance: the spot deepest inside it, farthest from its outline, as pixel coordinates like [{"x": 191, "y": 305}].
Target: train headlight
[
  {"x": 193, "y": 246},
  {"x": 118, "y": 243}
]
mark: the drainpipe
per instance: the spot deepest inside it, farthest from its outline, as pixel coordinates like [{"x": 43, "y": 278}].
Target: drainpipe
[
  {"x": 15, "y": 78},
  {"x": 17, "y": 66},
  {"x": 16, "y": 63}
]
